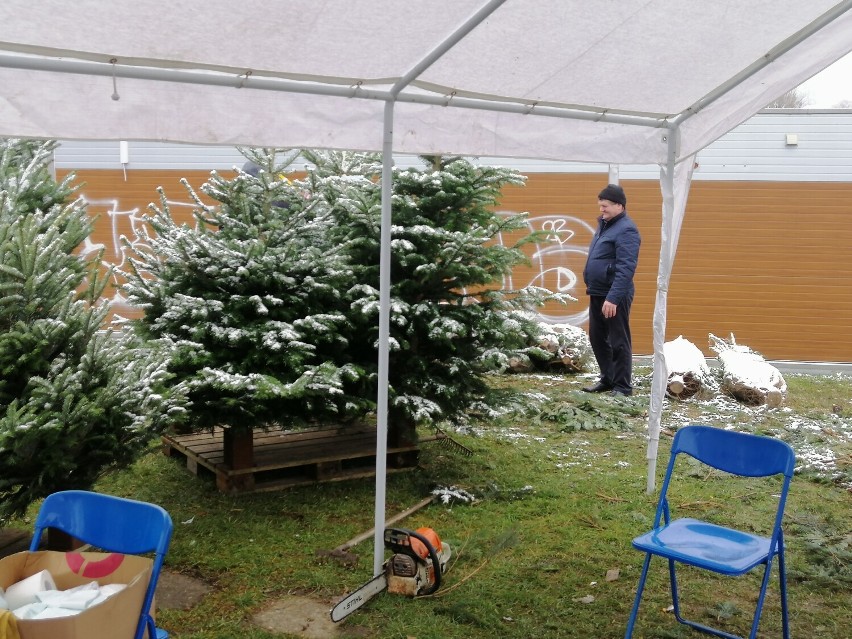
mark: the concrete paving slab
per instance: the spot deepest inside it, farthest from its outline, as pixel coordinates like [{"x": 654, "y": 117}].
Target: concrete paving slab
[
  {"x": 300, "y": 616},
  {"x": 176, "y": 591}
]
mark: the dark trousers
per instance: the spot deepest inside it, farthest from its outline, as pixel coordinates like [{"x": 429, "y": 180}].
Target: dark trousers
[{"x": 611, "y": 343}]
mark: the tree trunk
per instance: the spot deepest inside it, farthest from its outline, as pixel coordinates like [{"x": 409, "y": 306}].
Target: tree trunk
[
  {"x": 402, "y": 431},
  {"x": 238, "y": 448}
]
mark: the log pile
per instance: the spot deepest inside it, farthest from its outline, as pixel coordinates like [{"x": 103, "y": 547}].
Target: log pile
[
  {"x": 569, "y": 347},
  {"x": 521, "y": 363},
  {"x": 688, "y": 374},
  {"x": 746, "y": 375},
  {"x": 561, "y": 348}
]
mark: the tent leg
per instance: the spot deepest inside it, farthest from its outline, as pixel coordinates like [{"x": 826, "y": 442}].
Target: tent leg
[
  {"x": 384, "y": 337},
  {"x": 675, "y": 178},
  {"x": 384, "y": 271}
]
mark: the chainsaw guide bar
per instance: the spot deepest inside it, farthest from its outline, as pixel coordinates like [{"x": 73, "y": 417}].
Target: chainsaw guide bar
[{"x": 358, "y": 598}]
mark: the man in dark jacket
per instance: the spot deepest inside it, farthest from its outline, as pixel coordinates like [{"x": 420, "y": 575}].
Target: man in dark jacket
[{"x": 610, "y": 266}]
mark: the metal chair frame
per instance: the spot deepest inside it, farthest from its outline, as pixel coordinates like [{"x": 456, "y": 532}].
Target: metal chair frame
[
  {"x": 722, "y": 550},
  {"x": 113, "y": 524}
]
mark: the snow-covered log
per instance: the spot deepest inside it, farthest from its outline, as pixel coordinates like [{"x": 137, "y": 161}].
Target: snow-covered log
[
  {"x": 746, "y": 375},
  {"x": 688, "y": 374},
  {"x": 521, "y": 363},
  {"x": 569, "y": 348}
]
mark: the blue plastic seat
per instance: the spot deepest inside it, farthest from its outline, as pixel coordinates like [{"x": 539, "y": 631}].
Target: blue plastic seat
[
  {"x": 722, "y": 550},
  {"x": 113, "y": 524}
]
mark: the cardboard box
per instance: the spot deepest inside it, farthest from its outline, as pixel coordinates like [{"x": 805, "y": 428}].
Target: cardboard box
[{"x": 115, "y": 618}]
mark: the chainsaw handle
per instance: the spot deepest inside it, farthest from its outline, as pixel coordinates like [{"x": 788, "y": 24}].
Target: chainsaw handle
[{"x": 433, "y": 554}]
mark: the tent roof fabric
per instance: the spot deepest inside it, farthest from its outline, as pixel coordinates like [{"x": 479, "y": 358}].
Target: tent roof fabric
[
  {"x": 584, "y": 80},
  {"x": 612, "y": 81}
]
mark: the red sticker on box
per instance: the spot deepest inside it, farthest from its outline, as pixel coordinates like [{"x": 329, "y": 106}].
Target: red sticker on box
[{"x": 79, "y": 565}]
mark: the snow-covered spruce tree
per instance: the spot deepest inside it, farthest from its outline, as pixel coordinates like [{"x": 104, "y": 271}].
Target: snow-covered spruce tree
[
  {"x": 452, "y": 320},
  {"x": 74, "y": 400},
  {"x": 250, "y": 297},
  {"x": 271, "y": 297}
]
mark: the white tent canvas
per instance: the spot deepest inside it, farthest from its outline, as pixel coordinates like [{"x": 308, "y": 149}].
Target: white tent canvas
[{"x": 612, "y": 81}]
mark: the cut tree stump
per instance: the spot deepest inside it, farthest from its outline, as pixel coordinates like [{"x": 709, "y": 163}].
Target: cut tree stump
[
  {"x": 687, "y": 369},
  {"x": 746, "y": 376},
  {"x": 281, "y": 459}
]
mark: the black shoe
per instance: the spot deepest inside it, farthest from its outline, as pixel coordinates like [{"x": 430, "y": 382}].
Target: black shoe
[
  {"x": 600, "y": 387},
  {"x": 618, "y": 393}
]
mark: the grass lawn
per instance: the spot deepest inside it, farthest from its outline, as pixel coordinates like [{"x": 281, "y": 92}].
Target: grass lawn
[{"x": 560, "y": 491}]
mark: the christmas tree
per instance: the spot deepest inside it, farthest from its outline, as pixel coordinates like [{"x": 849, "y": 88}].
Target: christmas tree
[
  {"x": 75, "y": 400},
  {"x": 452, "y": 321},
  {"x": 249, "y": 295},
  {"x": 271, "y": 296}
]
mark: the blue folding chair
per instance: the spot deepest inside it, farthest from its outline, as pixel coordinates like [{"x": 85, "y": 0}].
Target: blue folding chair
[
  {"x": 113, "y": 524},
  {"x": 722, "y": 550}
]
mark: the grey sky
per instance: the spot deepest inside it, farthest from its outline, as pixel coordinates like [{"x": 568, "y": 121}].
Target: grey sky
[{"x": 827, "y": 88}]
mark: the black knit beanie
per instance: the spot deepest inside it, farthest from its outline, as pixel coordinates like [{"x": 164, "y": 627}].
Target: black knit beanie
[{"x": 613, "y": 193}]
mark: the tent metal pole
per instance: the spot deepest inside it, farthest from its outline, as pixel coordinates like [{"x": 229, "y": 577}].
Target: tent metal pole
[
  {"x": 614, "y": 173},
  {"x": 660, "y": 375},
  {"x": 770, "y": 56},
  {"x": 225, "y": 78},
  {"x": 385, "y": 272},
  {"x": 384, "y": 339},
  {"x": 445, "y": 45}
]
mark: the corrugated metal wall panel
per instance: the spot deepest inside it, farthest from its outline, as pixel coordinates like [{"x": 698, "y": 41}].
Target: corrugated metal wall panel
[
  {"x": 770, "y": 263},
  {"x": 755, "y": 150},
  {"x": 79, "y": 155},
  {"x": 87, "y": 155},
  {"x": 758, "y": 149}
]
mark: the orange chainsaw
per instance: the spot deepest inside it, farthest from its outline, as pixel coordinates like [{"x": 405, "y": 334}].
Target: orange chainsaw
[{"x": 415, "y": 569}]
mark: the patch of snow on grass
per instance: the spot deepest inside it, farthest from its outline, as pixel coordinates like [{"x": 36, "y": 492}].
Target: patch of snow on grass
[
  {"x": 812, "y": 437},
  {"x": 574, "y": 456},
  {"x": 449, "y": 494},
  {"x": 811, "y": 457}
]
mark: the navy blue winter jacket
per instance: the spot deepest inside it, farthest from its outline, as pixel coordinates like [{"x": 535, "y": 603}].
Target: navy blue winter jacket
[{"x": 613, "y": 255}]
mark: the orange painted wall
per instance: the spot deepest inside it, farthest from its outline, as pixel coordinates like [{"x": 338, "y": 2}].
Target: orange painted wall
[{"x": 769, "y": 262}]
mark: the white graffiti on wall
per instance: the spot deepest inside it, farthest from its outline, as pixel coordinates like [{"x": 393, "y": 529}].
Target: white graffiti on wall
[
  {"x": 557, "y": 261},
  {"x": 558, "y": 264},
  {"x": 123, "y": 227}
]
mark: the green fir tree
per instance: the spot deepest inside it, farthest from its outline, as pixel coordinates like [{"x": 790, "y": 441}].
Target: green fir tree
[
  {"x": 75, "y": 400},
  {"x": 453, "y": 321},
  {"x": 271, "y": 297},
  {"x": 250, "y": 297}
]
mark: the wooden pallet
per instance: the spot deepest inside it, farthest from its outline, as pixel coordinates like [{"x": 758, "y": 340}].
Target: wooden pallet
[{"x": 283, "y": 459}]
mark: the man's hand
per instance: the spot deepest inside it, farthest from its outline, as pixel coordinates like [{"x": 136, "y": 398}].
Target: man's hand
[{"x": 608, "y": 309}]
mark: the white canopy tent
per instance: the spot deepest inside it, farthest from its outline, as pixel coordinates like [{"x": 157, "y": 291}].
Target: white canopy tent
[{"x": 605, "y": 81}]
